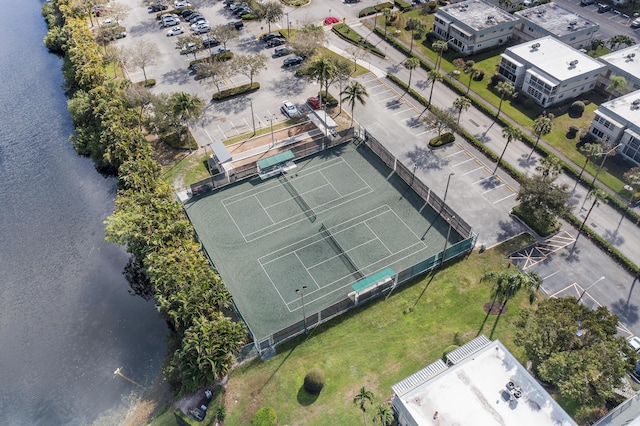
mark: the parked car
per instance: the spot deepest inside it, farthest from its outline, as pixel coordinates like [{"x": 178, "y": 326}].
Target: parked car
[
  {"x": 189, "y": 48},
  {"x": 269, "y": 36},
  {"x": 281, "y": 51},
  {"x": 294, "y": 60},
  {"x": 635, "y": 23},
  {"x": 277, "y": 41},
  {"x": 199, "y": 22},
  {"x": 587, "y": 2},
  {"x": 220, "y": 50},
  {"x": 289, "y": 109},
  {"x": 238, "y": 25},
  {"x": 175, "y": 31},
  {"x": 188, "y": 12},
  {"x": 157, "y": 7},
  {"x": 242, "y": 11},
  {"x": 634, "y": 343},
  {"x": 210, "y": 42},
  {"x": 331, "y": 20},
  {"x": 170, "y": 23},
  {"x": 178, "y": 4},
  {"x": 99, "y": 10},
  {"x": 202, "y": 29},
  {"x": 194, "y": 17},
  {"x": 351, "y": 1},
  {"x": 602, "y": 8},
  {"x": 314, "y": 102}
]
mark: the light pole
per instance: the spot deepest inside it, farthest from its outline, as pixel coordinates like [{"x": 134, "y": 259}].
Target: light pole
[
  {"x": 604, "y": 158},
  {"x": 253, "y": 117},
  {"x": 288, "y": 27},
  {"x": 271, "y": 118},
  {"x": 444, "y": 200},
  {"x": 585, "y": 290},
  {"x": 413, "y": 175},
  {"x": 300, "y": 291},
  {"x": 444, "y": 250}
]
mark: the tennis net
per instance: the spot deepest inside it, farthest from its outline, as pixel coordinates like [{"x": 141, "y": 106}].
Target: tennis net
[
  {"x": 341, "y": 253},
  {"x": 298, "y": 199}
]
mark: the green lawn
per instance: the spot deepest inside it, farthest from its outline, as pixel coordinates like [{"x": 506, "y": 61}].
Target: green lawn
[{"x": 375, "y": 346}]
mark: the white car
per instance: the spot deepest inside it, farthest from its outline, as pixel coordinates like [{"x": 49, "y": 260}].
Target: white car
[
  {"x": 199, "y": 23},
  {"x": 178, "y": 4},
  {"x": 175, "y": 31},
  {"x": 289, "y": 109},
  {"x": 634, "y": 343},
  {"x": 635, "y": 23},
  {"x": 202, "y": 29}
]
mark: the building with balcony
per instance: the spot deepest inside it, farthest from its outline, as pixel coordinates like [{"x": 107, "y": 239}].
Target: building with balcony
[
  {"x": 553, "y": 20},
  {"x": 549, "y": 71},
  {"x": 618, "y": 122},
  {"x": 481, "y": 383},
  {"x": 472, "y": 26}
]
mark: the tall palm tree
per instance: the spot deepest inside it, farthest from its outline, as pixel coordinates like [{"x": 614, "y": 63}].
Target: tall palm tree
[
  {"x": 617, "y": 83},
  {"x": 461, "y": 104},
  {"x": 434, "y": 75},
  {"x": 469, "y": 68},
  {"x": 510, "y": 133},
  {"x": 541, "y": 126},
  {"x": 383, "y": 415},
  {"x": 597, "y": 195},
  {"x": 322, "y": 70},
  {"x": 361, "y": 399},
  {"x": 411, "y": 64},
  {"x": 506, "y": 90},
  {"x": 387, "y": 13},
  {"x": 187, "y": 108},
  {"x": 591, "y": 151},
  {"x": 352, "y": 93},
  {"x": 440, "y": 46},
  {"x": 507, "y": 284},
  {"x": 416, "y": 26}
]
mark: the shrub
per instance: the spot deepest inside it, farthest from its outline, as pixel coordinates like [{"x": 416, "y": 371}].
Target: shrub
[
  {"x": 235, "y": 91},
  {"x": 478, "y": 75},
  {"x": 449, "y": 349},
  {"x": 347, "y": 33},
  {"x": 328, "y": 99},
  {"x": 430, "y": 7},
  {"x": 150, "y": 82},
  {"x": 573, "y": 131},
  {"x": 314, "y": 381},
  {"x": 441, "y": 140},
  {"x": 265, "y": 416},
  {"x": 371, "y": 10},
  {"x": 219, "y": 57},
  {"x": 402, "y": 5},
  {"x": 495, "y": 79},
  {"x": 576, "y": 109}
]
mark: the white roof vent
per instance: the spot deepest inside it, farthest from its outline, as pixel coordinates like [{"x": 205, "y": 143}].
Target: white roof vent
[{"x": 490, "y": 18}]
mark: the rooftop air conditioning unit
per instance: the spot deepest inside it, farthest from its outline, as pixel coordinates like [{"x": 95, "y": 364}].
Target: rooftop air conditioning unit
[
  {"x": 636, "y": 102},
  {"x": 572, "y": 23},
  {"x": 535, "y": 45},
  {"x": 573, "y": 63},
  {"x": 631, "y": 56}
]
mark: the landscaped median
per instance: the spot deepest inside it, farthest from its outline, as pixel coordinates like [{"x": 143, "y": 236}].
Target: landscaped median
[
  {"x": 352, "y": 36},
  {"x": 235, "y": 91}
]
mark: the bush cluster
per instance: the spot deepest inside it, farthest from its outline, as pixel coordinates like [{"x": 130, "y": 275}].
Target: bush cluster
[
  {"x": 314, "y": 381},
  {"x": 441, "y": 140},
  {"x": 372, "y": 10},
  {"x": 235, "y": 91},
  {"x": 265, "y": 416},
  {"x": 402, "y": 5},
  {"x": 576, "y": 109},
  {"x": 349, "y": 34}
]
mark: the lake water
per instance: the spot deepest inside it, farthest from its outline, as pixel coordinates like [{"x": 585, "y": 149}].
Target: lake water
[{"x": 67, "y": 320}]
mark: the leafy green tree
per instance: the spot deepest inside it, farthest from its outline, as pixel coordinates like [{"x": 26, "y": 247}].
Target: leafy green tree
[
  {"x": 323, "y": 71},
  {"x": 388, "y": 14},
  {"x": 510, "y": 133},
  {"x": 270, "y": 12},
  {"x": 541, "y": 126},
  {"x": 411, "y": 64},
  {"x": 616, "y": 85},
  {"x": 362, "y": 398},
  {"x": 383, "y": 415},
  {"x": 575, "y": 348},
  {"x": 187, "y": 108},
  {"x": 591, "y": 151},
  {"x": 417, "y": 28},
  {"x": 508, "y": 283},
  {"x": 461, "y": 103},
  {"x": 355, "y": 92},
  {"x": 505, "y": 89}
]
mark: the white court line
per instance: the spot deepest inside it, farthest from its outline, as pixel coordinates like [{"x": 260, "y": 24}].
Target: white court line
[
  {"x": 504, "y": 198},
  {"x": 303, "y": 265},
  {"x": 265, "y": 210},
  {"x": 381, "y": 242}
]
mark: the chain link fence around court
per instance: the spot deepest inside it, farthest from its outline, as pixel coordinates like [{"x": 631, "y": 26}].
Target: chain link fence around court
[{"x": 462, "y": 228}]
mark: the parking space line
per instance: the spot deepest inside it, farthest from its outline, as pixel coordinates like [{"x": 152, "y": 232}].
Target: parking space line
[
  {"x": 494, "y": 188},
  {"x": 223, "y": 133},
  {"x": 504, "y": 198},
  {"x": 422, "y": 133},
  {"x": 456, "y": 153},
  {"x": 463, "y": 162},
  {"x": 474, "y": 170},
  {"x": 403, "y": 111}
]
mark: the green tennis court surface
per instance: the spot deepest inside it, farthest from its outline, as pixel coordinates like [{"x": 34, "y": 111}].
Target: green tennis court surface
[{"x": 339, "y": 217}]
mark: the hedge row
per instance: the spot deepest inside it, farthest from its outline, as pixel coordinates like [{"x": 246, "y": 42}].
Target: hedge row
[
  {"x": 219, "y": 57},
  {"x": 174, "y": 11},
  {"x": 402, "y": 5},
  {"x": 349, "y": 34},
  {"x": 235, "y": 91},
  {"x": 372, "y": 10}
]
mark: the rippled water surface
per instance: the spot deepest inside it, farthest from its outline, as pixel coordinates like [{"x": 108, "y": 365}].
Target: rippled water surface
[{"x": 67, "y": 320}]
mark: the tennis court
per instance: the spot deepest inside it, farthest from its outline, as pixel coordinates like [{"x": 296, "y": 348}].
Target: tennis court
[{"x": 337, "y": 218}]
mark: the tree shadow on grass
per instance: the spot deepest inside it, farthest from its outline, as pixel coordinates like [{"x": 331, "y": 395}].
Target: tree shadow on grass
[{"x": 305, "y": 398}]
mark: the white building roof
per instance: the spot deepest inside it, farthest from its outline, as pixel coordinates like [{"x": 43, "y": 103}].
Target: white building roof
[
  {"x": 626, "y": 60},
  {"x": 624, "y": 109},
  {"x": 474, "y": 392},
  {"x": 555, "y": 58},
  {"x": 556, "y": 19},
  {"x": 478, "y": 14}
]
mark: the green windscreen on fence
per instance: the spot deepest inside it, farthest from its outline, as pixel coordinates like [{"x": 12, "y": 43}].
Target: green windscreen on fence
[
  {"x": 283, "y": 157},
  {"x": 373, "y": 279}
]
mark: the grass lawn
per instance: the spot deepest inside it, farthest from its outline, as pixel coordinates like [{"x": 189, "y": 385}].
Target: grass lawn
[
  {"x": 190, "y": 169},
  {"x": 376, "y": 346}
]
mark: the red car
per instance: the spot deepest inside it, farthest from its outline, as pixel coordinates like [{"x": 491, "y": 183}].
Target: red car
[
  {"x": 314, "y": 102},
  {"x": 331, "y": 20}
]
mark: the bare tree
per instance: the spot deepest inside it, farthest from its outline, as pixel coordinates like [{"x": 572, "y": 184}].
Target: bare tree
[
  {"x": 139, "y": 97},
  {"x": 440, "y": 121},
  {"x": 215, "y": 72},
  {"x": 224, "y": 34},
  {"x": 189, "y": 44},
  {"x": 115, "y": 55},
  {"x": 307, "y": 39},
  {"x": 270, "y": 12},
  {"x": 143, "y": 54},
  {"x": 356, "y": 53},
  {"x": 117, "y": 12},
  {"x": 249, "y": 65},
  {"x": 342, "y": 73}
]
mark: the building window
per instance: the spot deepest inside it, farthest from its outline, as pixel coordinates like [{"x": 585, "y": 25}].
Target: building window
[
  {"x": 599, "y": 133},
  {"x": 632, "y": 149},
  {"x": 572, "y": 38}
]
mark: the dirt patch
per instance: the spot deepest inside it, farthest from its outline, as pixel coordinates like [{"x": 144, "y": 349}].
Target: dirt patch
[
  {"x": 152, "y": 401},
  {"x": 494, "y": 308},
  {"x": 165, "y": 154}
]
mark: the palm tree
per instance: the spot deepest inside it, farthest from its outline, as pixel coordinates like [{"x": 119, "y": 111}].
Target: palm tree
[
  {"x": 506, "y": 90},
  {"x": 416, "y": 26},
  {"x": 387, "y": 13},
  {"x": 461, "y": 104},
  {"x": 187, "y": 107},
  {"x": 597, "y": 195},
  {"x": 511, "y": 133},
  {"x": 439, "y": 46},
  {"x": 383, "y": 415},
  {"x": 617, "y": 83},
  {"x": 592, "y": 151},
  {"x": 352, "y": 93},
  {"x": 411, "y": 64},
  {"x": 470, "y": 69},
  {"x": 322, "y": 70},
  {"x": 507, "y": 284},
  {"x": 541, "y": 126},
  {"x": 361, "y": 399},
  {"x": 434, "y": 75}
]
